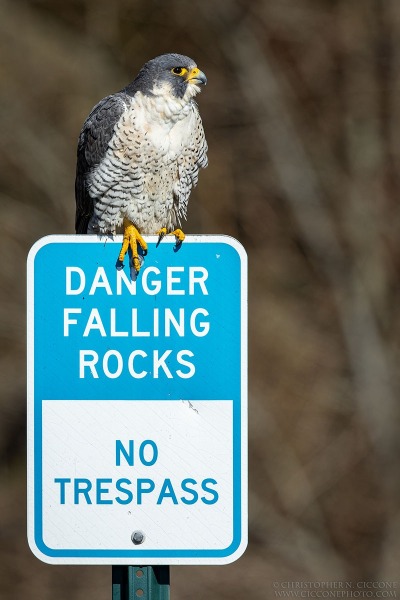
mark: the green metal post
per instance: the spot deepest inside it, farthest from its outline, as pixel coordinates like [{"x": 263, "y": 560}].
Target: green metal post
[{"x": 147, "y": 583}]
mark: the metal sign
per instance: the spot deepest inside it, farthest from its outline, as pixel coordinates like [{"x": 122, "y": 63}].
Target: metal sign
[{"x": 137, "y": 449}]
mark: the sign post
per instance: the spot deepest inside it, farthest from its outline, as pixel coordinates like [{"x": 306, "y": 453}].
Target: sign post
[
  {"x": 147, "y": 583},
  {"x": 137, "y": 404}
]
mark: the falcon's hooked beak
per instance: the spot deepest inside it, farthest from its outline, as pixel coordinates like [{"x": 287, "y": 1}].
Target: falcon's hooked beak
[{"x": 196, "y": 76}]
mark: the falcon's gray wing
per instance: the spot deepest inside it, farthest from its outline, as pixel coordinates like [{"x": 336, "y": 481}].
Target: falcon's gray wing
[{"x": 97, "y": 131}]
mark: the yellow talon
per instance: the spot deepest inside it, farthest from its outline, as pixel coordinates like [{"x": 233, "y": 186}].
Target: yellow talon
[
  {"x": 180, "y": 236},
  {"x": 178, "y": 233},
  {"x": 161, "y": 232},
  {"x": 131, "y": 239}
]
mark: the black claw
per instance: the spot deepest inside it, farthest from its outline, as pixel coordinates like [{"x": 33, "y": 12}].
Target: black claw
[
  {"x": 160, "y": 237},
  {"x": 177, "y": 246}
]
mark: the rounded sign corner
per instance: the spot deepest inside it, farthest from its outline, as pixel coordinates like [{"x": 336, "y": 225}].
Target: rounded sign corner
[
  {"x": 238, "y": 246},
  {"x": 36, "y": 550},
  {"x": 41, "y": 243},
  {"x": 221, "y": 238},
  {"x": 238, "y": 553}
]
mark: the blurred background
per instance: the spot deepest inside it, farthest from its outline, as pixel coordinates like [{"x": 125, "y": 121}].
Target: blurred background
[{"x": 302, "y": 116}]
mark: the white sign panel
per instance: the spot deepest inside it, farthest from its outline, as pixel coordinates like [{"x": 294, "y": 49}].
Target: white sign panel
[{"x": 137, "y": 403}]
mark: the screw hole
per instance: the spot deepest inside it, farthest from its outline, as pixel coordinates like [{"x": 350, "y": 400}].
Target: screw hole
[
  {"x": 137, "y": 537},
  {"x": 139, "y": 592},
  {"x": 139, "y": 573}
]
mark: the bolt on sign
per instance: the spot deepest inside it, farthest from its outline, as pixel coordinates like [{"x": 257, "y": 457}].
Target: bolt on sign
[{"x": 137, "y": 393}]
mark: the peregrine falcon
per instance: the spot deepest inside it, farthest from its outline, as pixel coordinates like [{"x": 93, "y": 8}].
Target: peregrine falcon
[{"x": 139, "y": 154}]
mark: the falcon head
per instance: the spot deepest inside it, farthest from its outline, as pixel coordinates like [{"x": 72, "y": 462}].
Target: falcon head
[{"x": 167, "y": 74}]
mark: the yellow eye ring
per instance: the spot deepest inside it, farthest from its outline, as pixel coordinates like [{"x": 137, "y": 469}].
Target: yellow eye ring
[{"x": 179, "y": 71}]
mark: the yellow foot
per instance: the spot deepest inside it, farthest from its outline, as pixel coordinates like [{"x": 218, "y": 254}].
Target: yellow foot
[
  {"x": 180, "y": 236},
  {"x": 131, "y": 239},
  {"x": 178, "y": 233}
]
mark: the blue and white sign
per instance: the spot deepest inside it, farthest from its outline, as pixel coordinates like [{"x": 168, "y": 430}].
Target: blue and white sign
[{"x": 137, "y": 402}]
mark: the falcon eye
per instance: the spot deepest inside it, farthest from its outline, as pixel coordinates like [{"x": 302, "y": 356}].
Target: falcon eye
[{"x": 179, "y": 71}]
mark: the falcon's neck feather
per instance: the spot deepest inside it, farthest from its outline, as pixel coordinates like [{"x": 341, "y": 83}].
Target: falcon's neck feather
[{"x": 163, "y": 105}]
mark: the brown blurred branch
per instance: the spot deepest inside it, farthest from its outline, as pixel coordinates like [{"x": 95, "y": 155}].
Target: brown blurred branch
[{"x": 268, "y": 96}]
